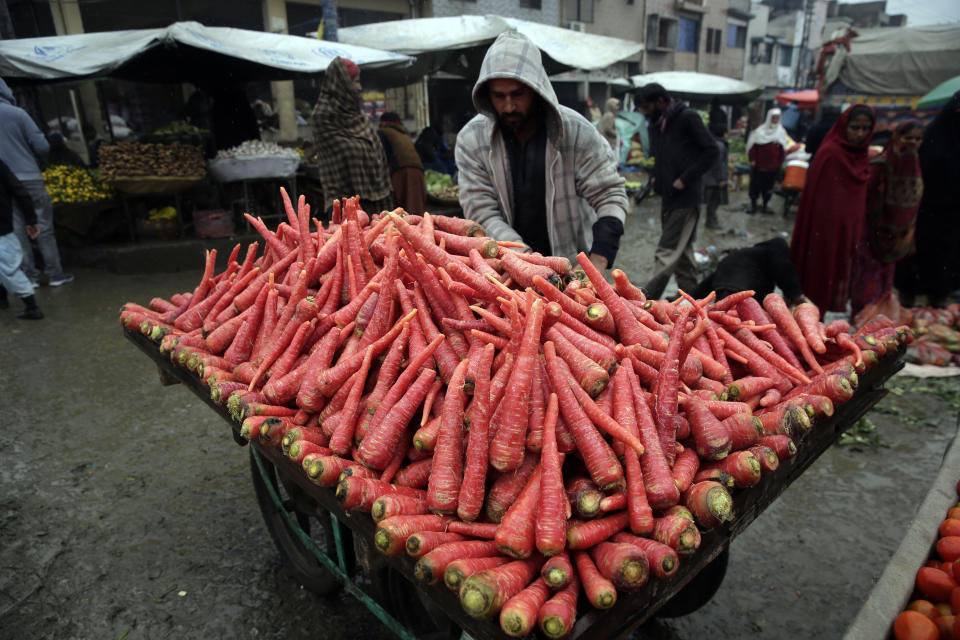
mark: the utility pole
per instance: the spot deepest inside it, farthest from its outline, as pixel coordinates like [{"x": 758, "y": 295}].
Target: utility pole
[{"x": 800, "y": 78}]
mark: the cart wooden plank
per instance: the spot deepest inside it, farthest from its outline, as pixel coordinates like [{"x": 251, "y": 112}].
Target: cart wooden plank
[{"x": 632, "y": 609}]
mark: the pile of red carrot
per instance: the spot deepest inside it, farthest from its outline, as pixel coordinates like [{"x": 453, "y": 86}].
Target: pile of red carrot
[{"x": 529, "y": 432}]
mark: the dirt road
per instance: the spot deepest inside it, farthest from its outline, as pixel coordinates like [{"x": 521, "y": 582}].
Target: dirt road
[{"x": 127, "y": 511}]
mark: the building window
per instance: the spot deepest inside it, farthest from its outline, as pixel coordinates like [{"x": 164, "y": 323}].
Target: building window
[
  {"x": 688, "y": 35},
  {"x": 713, "y": 40},
  {"x": 786, "y": 55},
  {"x": 578, "y": 10},
  {"x": 529, "y": 4},
  {"x": 761, "y": 52},
  {"x": 736, "y": 36},
  {"x": 661, "y": 32}
]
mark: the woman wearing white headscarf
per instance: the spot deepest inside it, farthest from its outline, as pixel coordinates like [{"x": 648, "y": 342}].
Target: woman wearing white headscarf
[{"x": 766, "y": 148}]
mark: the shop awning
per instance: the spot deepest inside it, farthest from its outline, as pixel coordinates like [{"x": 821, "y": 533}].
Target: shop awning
[
  {"x": 703, "y": 86},
  {"x": 457, "y": 44},
  {"x": 805, "y": 99},
  {"x": 940, "y": 94},
  {"x": 182, "y": 52}
]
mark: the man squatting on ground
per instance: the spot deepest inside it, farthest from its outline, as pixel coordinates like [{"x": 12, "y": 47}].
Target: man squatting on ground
[
  {"x": 12, "y": 277},
  {"x": 532, "y": 170}
]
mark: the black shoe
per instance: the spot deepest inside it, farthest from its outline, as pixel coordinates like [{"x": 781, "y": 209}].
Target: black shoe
[
  {"x": 766, "y": 211},
  {"x": 4, "y": 302},
  {"x": 32, "y": 312},
  {"x": 713, "y": 224}
]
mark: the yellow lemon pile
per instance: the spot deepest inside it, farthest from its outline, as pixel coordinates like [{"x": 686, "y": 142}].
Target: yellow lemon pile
[{"x": 68, "y": 183}]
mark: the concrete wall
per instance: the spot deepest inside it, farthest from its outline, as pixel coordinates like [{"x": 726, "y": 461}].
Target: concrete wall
[
  {"x": 728, "y": 62},
  {"x": 549, "y": 12}
]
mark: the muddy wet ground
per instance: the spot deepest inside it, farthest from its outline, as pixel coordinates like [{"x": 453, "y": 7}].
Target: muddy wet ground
[{"x": 127, "y": 511}]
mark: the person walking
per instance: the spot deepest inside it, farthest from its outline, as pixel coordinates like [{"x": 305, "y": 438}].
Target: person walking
[
  {"x": 766, "y": 148},
  {"x": 815, "y": 135},
  {"x": 607, "y": 125},
  {"x": 12, "y": 277},
  {"x": 532, "y": 170},
  {"x": 832, "y": 210},
  {"x": 351, "y": 157},
  {"x": 683, "y": 151},
  {"x": 20, "y": 142},
  {"x": 934, "y": 270},
  {"x": 893, "y": 199},
  {"x": 406, "y": 168}
]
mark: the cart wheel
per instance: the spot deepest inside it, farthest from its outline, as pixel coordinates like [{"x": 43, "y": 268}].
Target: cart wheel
[
  {"x": 405, "y": 602},
  {"x": 298, "y": 560},
  {"x": 699, "y": 590}
]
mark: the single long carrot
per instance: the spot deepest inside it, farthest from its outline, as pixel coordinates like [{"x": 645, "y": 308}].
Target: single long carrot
[
  {"x": 484, "y": 593},
  {"x": 678, "y": 533},
  {"x": 597, "y": 454},
  {"x": 391, "y": 535},
  {"x": 430, "y": 567},
  {"x": 710, "y": 503},
  {"x": 519, "y": 614},
  {"x": 668, "y": 380},
  {"x": 550, "y": 525},
  {"x": 807, "y": 316},
  {"x": 661, "y": 491},
  {"x": 583, "y": 535},
  {"x": 509, "y": 421},
  {"x": 558, "y": 614},
  {"x": 625, "y": 565},
  {"x": 516, "y": 535},
  {"x": 601, "y": 593},
  {"x": 710, "y": 435},
  {"x": 628, "y": 327},
  {"x": 423, "y": 542},
  {"x": 778, "y": 310},
  {"x": 662, "y": 559},
  {"x": 443, "y": 489}
]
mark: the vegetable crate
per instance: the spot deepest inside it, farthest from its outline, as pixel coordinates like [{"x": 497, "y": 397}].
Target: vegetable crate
[{"x": 327, "y": 548}]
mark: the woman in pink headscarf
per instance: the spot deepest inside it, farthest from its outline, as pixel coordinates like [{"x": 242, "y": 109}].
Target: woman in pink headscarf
[{"x": 893, "y": 199}]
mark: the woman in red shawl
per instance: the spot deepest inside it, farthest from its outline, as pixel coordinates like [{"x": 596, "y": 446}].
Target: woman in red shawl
[
  {"x": 893, "y": 198},
  {"x": 832, "y": 210}
]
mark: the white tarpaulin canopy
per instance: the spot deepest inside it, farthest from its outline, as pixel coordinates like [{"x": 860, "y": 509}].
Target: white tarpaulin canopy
[
  {"x": 457, "y": 44},
  {"x": 184, "y": 51},
  {"x": 691, "y": 84},
  {"x": 902, "y": 61}
]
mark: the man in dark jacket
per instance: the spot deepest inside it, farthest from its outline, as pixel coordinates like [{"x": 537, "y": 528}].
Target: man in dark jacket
[
  {"x": 12, "y": 277},
  {"x": 683, "y": 151}
]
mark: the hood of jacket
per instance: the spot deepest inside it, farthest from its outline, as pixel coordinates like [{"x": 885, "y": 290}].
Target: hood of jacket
[
  {"x": 5, "y": 94},
  {"x": 613, "y": 105},
  {"x": 513, "y": 55}
]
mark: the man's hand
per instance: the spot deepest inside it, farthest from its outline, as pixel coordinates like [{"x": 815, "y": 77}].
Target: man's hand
[
  {"x": 32, "y": 231},
  {"x": 599, "y": 261},
  {"x": 678, "y": 184}
]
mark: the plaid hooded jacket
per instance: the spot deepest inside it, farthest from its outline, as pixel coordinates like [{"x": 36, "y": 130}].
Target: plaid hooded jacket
[
  {"x": 582, "y": 179},
  {"x": 351, "y": 158}
]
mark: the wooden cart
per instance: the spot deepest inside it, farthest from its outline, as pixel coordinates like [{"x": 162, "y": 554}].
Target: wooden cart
[{"x": 327, "y": 548}]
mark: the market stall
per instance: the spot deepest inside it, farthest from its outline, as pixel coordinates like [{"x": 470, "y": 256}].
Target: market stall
[
  {"x": 265, "y": 401},
  {"x": 147, "y": 188}
]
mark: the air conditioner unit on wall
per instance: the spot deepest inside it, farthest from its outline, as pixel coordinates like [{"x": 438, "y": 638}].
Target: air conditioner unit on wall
[{"x": 577, "y": 26}]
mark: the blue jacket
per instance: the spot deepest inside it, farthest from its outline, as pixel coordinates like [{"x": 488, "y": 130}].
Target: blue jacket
[{"x": 20, "y": 138}]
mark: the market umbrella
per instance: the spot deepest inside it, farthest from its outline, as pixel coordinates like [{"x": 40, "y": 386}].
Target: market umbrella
[
  {"x": 694, "y": 85},
  {"x": 940, "y": 94},
  {"x": 805, "y": 99}
]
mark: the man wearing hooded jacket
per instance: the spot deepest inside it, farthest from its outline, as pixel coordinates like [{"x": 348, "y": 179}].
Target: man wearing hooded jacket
[{"x": 532, "y": 170}]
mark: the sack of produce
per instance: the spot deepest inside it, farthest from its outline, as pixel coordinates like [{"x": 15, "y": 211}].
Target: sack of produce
[{"x": 254, "y": 159}]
